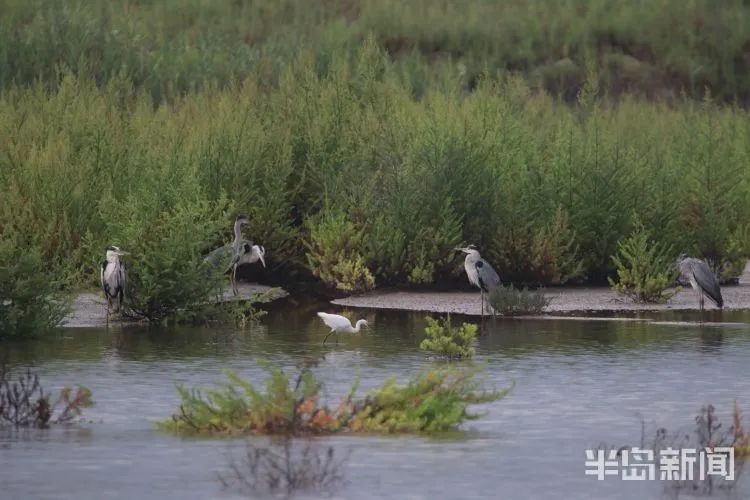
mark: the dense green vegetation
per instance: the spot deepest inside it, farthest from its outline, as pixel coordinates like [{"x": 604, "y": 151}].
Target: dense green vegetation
[
  {"x": 659, "y": 49},
  {"x": 366, "y": 139},
  {"x": 431, "y": 401}
]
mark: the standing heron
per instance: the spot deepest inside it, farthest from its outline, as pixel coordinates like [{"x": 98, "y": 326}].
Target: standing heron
[
  {"x": 702, "y": 280},
  {"x": 479, "y": 272},
  {"x": 338, "y": 324},
  {"x": 228, "y": 257},
  {"x": 114, "y": 278}
]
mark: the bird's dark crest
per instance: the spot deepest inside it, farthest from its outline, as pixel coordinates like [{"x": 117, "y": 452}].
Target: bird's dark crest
[
  {"x": 111, "y": 248},
  {"x": 242, "y": 216}
]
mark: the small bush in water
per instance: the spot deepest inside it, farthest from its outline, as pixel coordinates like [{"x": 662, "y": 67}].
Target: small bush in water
[
  {"x": 431, "y": 401},
  {"x": 445, "y": 340},
  {"x": 509, "y": 301},
  {"x": 645, "y": 269},
  {"x": 24, "y": 403}
]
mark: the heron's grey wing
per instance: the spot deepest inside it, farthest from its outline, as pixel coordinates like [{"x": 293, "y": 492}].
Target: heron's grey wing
[
  {"x": 221, "y": 258},
  {"x": 708, "y": 283},
  {"x": 101, "y": 277},
  {"x": 488, "y": 278}
]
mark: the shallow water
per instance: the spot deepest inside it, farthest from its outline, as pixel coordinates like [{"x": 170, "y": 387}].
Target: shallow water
[{"x": 577, "y": 384}]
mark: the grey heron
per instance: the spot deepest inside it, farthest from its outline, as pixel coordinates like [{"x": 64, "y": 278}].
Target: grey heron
[
  {"x": 702, "y": 279},
  {"x": 480, "y": 272},
  {"x": 338, "y": 323},
  {"x": 229, "y": 256},
  {"x": 114, "y": 278}
]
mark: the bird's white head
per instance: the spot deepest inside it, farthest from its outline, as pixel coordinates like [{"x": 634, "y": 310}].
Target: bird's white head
[
  {"x": 114, "y": 252},
  {"x": 261, "y": 253},
  {"x": 469, "y": 250},
  {"x": 361, "y": 323}
]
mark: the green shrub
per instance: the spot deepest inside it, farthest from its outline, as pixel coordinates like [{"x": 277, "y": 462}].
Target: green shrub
[
  {"x": 508, "y": 301},
  {"x": 30, "y": 297},
  {"x": 449, "y": 342},
  {"x": 432, "y": 401},
  {"x": 645, "y": 268},
  {"x": 333, "y": 253},
  {"x": 379, "y": 164}
]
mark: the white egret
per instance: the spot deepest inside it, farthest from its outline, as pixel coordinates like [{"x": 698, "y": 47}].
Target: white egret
[{"x": 339, "y": 324}]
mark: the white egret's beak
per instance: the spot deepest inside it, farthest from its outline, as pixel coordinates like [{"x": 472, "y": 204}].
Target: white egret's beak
[{"x": 262, "y": 260}]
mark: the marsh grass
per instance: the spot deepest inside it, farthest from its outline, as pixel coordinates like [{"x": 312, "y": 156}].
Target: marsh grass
[
  {"x": 347, "y": 177},
  {"x": 173, "y": 47}
]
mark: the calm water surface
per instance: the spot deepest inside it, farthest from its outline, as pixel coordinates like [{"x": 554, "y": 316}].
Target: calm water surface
[{"x": 577, "y": 384}]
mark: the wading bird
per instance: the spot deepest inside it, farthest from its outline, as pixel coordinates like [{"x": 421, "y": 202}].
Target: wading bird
[
  {"x": 479, "y": 272},
  {"x": 702, "y": 280},
  {"x": 230, "y": 256},
  {"x": 339, "y": 324},
  {"x": 114, "y": 278}
]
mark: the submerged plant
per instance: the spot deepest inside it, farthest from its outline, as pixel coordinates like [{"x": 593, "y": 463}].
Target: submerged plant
[
  {"x": 24, "y": 403},
  {"x": 431, "y": 401},
  {"x": 708, "y": 435},
  {"x": 645, "y": 268},
  {"x": 509, "y": 301},
  {"x": 445, "y": 340},
  {"x": 284, "y": 467}
]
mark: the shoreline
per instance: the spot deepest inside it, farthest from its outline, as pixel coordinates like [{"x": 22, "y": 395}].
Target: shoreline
[
  {"x": 89, "y": 309},
  {"x": 563, "y": 300}
]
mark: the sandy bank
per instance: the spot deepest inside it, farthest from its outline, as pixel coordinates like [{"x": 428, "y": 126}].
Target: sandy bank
[
  {"x": 90, "y": 309},
  {"x": 562, "y": 300}
]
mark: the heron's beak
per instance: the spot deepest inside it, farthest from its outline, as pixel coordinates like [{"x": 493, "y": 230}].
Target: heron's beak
[
  {"x": 121, "y": 253},
  {"x": 459, "y": 249},
  {"x": 262, "y": 260}
]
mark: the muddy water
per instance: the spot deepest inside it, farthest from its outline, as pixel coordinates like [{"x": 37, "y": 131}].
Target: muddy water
[{"x": 577, "y": 383}]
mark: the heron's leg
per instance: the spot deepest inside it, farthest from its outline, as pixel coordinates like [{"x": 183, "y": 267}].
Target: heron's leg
[
  {"x": 329, "y": 334},
  {"x": 481, "y": 292},
  {"x": 233, "y": 280}
]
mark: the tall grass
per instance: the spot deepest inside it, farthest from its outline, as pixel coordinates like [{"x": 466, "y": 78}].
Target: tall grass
[
  {"x": 546, "y": 188},
  {"x": 175, "y": 46}
]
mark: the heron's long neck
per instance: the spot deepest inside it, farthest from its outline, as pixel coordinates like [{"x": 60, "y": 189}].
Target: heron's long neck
[
  {"x": 357, "y": 326},
  {"x": 237, "y": 231}
]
